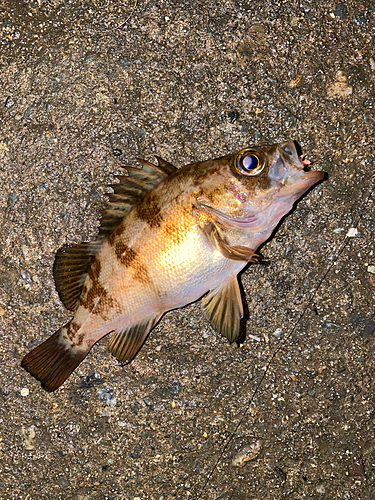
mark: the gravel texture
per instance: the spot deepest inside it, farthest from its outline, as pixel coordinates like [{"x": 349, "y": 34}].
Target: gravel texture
[{"x": 86, "y": 87}]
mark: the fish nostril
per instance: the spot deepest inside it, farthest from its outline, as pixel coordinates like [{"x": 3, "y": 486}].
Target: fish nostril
[{"x": 288, "y": 150}]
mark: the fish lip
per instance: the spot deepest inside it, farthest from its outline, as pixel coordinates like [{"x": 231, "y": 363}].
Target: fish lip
[
  {"x": 310, "y": 176},
  {"x": 297, "y": 184}
]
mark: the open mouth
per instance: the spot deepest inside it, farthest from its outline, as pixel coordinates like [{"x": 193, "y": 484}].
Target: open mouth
[
  {"x": 306, "y": 163},
  {"x": 291, "y": 158}
]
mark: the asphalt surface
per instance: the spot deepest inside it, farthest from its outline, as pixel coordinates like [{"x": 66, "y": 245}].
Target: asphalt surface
[{"x": 86, "y": 87}]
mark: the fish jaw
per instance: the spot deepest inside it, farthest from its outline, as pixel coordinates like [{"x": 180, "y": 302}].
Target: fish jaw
[{"x": 295, "y": 186}]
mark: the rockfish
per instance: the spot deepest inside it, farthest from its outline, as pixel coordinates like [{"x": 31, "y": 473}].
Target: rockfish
[{"x": 167, "y": 237}]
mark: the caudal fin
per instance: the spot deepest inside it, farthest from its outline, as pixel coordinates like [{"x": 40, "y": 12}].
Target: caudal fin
[{"x": 53, "y": 361}]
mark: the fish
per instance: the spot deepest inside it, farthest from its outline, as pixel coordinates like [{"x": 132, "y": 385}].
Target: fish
[{"x": 169, "y": 236}]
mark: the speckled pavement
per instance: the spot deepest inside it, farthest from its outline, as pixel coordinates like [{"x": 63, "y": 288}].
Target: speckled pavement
[{"x": 86, "y": 87}]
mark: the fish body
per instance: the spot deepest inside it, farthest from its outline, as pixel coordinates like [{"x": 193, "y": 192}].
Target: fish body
[{"x": 168, "y": 237}]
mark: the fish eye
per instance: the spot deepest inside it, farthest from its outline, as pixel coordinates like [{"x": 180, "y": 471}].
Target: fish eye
[{"x": 249, "y": 162}]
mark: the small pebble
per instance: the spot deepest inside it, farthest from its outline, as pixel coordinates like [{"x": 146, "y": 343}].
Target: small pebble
[
  {"x": 321, "y": 489},
  {"x": 29, "y": 435},
  {"x": 233, "y": 116},
  {"x": 340, "y": 87},
  {"x": 12, "y": 199},
  {"x": 357, "y": 469},
  {"x": 25, "y": 391},
  {"x": 280, "y": 473},
  {"x": 353, "y": 231},
  {"x": 254, "y": 337},
  {"x": 277, "y": 333},
  {"x": 370, "y": 269},
  {"x": 63, "y": 481},
  {"x": 117, "y": 152},
  {"x": 341, "y": 11},
  {"x": 248, "y": 453},
  {"x": 9, "y": 102}
]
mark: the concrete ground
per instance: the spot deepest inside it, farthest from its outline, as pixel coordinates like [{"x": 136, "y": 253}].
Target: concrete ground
[{"x": 88, "y": 86}]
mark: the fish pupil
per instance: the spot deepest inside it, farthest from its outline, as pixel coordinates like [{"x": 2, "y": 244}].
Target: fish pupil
[{"x": 250, "y": 162}]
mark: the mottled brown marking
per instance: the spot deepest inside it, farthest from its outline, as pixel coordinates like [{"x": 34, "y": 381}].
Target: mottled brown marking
[
  {"x": 172, "y": 232},
  {"x": 111, "y": 238},
  {"x": 217, "y": 193},
  {"x": 116, "y": 232},
  {"x": 149, "y": 211},
  {"x": 124, "y": 254},
  {"x": 72, "y": 329},
  {"x": 107, "y": 306},
  {"x": 80, "y": 339},
  {"x": 94, "y": 270},
  {"x": 95, "y": 290},
  {"x": 141, "y": 273}
]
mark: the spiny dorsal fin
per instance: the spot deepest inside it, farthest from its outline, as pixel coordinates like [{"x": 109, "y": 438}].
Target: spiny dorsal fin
[
  {"x": 223, "y": 308},
  {"x": 126, "y": 342},
  {"x": 131, "y": 190},
  {"x": 167, "y": 167},
  {"x": 70, "y": 270},
  {"x": 73, "y": 262}
]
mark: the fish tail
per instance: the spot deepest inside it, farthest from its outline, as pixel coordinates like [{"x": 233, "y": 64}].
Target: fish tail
[{"x": 53, "y": 361}]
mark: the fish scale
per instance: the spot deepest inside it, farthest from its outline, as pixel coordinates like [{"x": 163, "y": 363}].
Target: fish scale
[{"x": 167, "y": 237}]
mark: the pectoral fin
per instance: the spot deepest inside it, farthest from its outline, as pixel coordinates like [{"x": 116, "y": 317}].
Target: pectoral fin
[
  {"x": 223, "y": 308},
  {"x": 126, "y": 342},
  {"x": 235, "y": 252}
]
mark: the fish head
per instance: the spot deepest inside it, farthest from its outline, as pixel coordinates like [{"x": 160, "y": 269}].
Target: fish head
[{"x": 261, "y": 185}]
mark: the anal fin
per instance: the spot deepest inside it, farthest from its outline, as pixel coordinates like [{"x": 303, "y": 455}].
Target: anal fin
[
  {"x": 223, "y": 308},
  {"x": 126, "y": 342}
]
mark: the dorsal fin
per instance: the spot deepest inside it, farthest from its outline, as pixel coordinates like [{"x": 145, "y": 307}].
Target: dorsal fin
[
  {"x": 73, "y": 262},
  {"x": 167, "y": 167},
  {"x": 131, "y": 190},
  {"x": 70, "y": 270}
]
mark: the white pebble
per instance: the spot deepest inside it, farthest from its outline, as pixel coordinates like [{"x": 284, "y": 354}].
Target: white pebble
[
  {"x": 277, "y": 333},
  {"x": 353, "y": 231},
  {"x": 254, "y": 337},
  {"x": 25, "y": 391}
]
